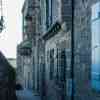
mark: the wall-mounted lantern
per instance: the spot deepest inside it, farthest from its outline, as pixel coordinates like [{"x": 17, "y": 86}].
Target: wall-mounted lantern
[{"x": 28, "y": 17}]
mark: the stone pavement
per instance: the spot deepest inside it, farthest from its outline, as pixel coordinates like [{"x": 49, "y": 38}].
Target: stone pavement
[{"x": 26, "y": 95}]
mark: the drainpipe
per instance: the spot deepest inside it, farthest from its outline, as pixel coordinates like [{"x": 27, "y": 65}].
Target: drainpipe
[{"x": 72, "y": 52}]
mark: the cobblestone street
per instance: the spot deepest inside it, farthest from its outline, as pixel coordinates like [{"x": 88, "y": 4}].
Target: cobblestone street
[{"x": 26, "y": 95}]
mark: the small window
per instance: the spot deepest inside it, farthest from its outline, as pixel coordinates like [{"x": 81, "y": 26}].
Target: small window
[
  {"x": 61, "y": 65},
  {"x": 48, "y": 13},
  {"x": 85, "y": 3},
  {"x": 99, "y": 14},
  {"x": 51, "y": 63}
]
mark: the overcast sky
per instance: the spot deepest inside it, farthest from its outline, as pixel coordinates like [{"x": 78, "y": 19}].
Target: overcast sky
[{"x": 12, "y": 34}]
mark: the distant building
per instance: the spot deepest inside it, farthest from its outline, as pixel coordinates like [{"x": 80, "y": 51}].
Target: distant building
[
  {"x": 12, "y": 61},
  {"x": 7, "y": 80}
]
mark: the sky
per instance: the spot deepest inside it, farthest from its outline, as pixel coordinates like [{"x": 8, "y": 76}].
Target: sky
[{"x": 12, "y": 34}]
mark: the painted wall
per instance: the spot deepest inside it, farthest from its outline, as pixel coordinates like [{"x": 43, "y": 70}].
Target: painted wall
[{"x": 96, "y": 46}]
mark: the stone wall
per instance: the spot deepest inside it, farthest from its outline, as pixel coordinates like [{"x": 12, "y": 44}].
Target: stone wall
[{"x": 82, "y": 53}]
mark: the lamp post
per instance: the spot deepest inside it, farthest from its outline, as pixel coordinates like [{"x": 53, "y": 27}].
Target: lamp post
[
  {"x": 72, "y": 52},
  {"x": 1, "y": 17}
]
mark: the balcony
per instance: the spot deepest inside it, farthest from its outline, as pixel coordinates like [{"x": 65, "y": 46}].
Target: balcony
[{"x": 25, "y": 48}]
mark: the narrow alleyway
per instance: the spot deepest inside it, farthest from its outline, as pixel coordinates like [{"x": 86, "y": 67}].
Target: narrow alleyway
[{"x": 26, "y": 95}]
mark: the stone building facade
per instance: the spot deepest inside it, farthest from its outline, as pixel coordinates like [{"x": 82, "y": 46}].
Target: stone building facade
[
  {"x": 83, "y": 50},
  {"x": 56, "y": 32},
  {"x": 50, "y": 58},
  {"x": 24, "y": 49},
  {"x": 27, "y": 51}
]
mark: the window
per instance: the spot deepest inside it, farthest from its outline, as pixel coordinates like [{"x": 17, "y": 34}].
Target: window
[
  {"x": 61, "y": 65},
  {"x": 51, "y": 63},
  {"x": 25, "y": 36},
  {"x": 99, "y": 14},
  {"x": 56, "y": 10},
  {"x": 57, "y": 57},
  {"x": 48, "y": 13},
  {"x": 85, "y": 3}
]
